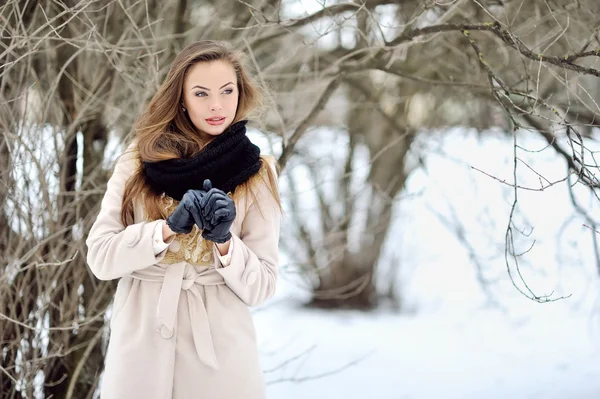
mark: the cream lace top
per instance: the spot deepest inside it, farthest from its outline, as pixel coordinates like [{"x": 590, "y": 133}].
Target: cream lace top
[{"x": 191, "y": 247}]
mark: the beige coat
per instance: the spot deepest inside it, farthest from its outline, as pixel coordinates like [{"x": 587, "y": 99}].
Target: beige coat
[{"x": 182, "y": 330}]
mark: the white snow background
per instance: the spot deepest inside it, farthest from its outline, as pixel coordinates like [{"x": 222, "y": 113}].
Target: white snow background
[{"x": 451, "y": 339}]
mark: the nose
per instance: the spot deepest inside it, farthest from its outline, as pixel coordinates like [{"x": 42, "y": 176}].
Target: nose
[{"x": 216, "y": 106}]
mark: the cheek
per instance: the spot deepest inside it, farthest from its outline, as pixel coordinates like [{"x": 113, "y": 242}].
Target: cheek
[
  {"x": 197, "y": 107},
  {"x": 232, "y": 102}
]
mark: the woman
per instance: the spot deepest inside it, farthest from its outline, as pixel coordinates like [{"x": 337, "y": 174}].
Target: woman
[{"x": 189, "y": 223}]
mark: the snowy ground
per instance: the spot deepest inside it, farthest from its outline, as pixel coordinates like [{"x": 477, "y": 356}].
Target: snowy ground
[
  {"x": 390, "y": 356},
  {"x": 454, "y": 339}
]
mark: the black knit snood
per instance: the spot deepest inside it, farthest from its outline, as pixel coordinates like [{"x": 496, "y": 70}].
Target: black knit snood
[{"x": 228, "y": 161}]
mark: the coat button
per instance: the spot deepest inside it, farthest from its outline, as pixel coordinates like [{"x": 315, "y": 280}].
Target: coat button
[
  {"x": 251, "y": 278},
  {"x": 166, "y": 332}
]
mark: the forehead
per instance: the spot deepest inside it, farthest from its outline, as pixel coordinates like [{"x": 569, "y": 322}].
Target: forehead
[{"x": 213, "y": 74}]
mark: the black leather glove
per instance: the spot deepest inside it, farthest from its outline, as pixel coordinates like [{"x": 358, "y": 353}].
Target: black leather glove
[
  {"x": 187, "y": 213},
  {"x": 218, "y": 210}
]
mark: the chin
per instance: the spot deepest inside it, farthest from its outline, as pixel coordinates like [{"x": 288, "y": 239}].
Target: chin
[{"x": 214, "y": 130}]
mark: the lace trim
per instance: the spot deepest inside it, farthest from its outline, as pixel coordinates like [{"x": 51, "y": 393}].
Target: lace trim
[{"x": 192, "y": 247}]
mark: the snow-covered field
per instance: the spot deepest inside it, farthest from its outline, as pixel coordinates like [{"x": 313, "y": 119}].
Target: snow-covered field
[
  {"x": 390, "y": 356},
  {"x": 455, "y": 339}
]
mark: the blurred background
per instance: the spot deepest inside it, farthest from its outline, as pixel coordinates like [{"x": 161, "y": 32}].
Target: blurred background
[{"x": 439, "y": 176}]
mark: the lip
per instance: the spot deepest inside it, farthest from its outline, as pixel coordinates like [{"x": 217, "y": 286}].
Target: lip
[{"x": 212, "y": 122}]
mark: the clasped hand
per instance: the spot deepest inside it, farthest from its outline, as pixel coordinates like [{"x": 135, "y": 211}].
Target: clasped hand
[{"x": 211, "y": 209}]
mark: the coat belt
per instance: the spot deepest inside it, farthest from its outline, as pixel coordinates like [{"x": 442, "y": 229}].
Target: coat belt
[{"x": 175, "y": 278}]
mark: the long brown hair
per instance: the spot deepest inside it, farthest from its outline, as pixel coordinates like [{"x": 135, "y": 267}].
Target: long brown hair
[{"x": 163, "y": 131}]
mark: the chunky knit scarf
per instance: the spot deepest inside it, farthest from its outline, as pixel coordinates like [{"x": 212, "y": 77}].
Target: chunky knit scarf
[{"x": 228, "y": 161}]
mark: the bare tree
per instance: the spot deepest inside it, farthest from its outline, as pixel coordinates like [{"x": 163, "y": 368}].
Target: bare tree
[{"x": 519, "y": 66}]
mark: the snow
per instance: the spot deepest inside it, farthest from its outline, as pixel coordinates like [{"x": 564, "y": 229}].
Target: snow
[
  {"x": 457, "y": 338},
  {"x": 481, "y": 355}
]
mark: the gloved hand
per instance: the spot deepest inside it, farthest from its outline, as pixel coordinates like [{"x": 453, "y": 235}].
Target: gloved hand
[
  {"x": 218, "y": 211},
  {"x": 187, "y": 213}
]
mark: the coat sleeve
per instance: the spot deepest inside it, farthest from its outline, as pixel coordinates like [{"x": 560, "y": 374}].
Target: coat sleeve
[
  {"x": 113, "y": 250},
  {"x": 253, "y": 269}
]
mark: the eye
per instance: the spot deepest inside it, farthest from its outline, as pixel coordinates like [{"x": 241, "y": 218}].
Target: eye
[
  {"x": 200, "y": 94},
  {"x": 228, "y": 91}
]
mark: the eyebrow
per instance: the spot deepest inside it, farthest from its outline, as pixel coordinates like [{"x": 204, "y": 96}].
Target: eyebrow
[{"x": 206, "y": 88}]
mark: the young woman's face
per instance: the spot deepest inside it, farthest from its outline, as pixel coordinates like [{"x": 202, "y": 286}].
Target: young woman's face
[{"x": 210, "y": 95}]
